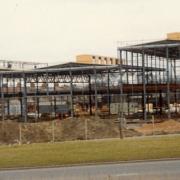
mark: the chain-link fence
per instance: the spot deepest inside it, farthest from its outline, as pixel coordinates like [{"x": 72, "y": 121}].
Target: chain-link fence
[
  {"x": 82, "y": 128},
  {"x": 61, "y": 130}
]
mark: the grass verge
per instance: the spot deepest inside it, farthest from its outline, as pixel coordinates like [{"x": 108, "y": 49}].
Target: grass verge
[{"x": 68, "y": 153}]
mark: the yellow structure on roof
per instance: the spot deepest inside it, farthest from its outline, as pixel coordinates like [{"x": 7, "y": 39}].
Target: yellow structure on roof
[
  {"x": 94, "y": 59},
  {"x": 173, "y": 36}
]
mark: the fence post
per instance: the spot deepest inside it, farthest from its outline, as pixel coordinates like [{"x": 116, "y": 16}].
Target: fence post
[
  {"x": 20, "y": 134},
  {"x": 53, "y": 134},
  {"x": 85, "y": 129},
  {"x": 153, "y": 124}
]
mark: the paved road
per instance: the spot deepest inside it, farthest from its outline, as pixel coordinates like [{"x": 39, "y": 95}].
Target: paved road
[{"x": 142, "y": 170}]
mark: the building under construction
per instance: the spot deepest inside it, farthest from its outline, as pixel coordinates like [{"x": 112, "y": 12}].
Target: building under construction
[{"x": 143, "y": 82}]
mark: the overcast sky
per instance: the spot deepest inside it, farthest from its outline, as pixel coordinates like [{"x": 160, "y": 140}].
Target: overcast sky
[{"x": 55, "y": 31}]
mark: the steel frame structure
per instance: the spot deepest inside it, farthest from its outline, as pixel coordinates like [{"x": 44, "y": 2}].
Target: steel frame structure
[
  {"x": 148, "y": 75},
  {"x": 164, "y": 54}
]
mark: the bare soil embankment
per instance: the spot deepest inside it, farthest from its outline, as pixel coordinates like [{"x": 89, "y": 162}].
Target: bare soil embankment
[
  {"x": 167, "y": 127},
  {"x": 61, "y": 130},
  {"x": 12, "y": 132}
]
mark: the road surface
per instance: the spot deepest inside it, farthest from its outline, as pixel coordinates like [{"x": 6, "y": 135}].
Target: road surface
[{"x": 141, "y": 170}]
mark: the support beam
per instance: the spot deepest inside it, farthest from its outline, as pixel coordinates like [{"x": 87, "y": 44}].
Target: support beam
[
  {"x": 71, "y": 93},
  {"x": 168, "y": 82},
  {"x": 14, "y": 88},
  {"x": 47, "y": 84},
  {"x": 37, "y": 98},
  {"x": 144, "y": 86},
  {"x": 7, "y": 101},
  {"x": 121, "y": 96},
  {"x": 95, "y": 93},
  {"x": 175, "y": 81},
  {"x": 90, "y": 100},
  {"x": 24, "y": 99},
  {"x": 2, "y": 97},
  {"x": 55, "y": 107},
  {"x": 108, "y": 93},
  {"x": 156, "y": 81}
]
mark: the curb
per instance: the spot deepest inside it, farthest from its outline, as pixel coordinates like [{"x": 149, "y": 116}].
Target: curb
[{"x": 90, "y": 164}]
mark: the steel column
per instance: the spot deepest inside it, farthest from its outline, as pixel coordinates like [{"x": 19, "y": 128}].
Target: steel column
[
  {"x": 168, "y": 82},
  {"x": 24, "y": 99},
  {"x": 2, "y": 97},
  {"x": 144, "y": 86},
  {"x": 71, "y": 93}
]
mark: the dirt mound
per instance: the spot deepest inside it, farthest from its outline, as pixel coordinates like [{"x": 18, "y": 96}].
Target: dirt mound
[
  {"x": 93, "y": 129},
  {"x": 12, "y": 132},
  {"x": 170, "y": 126},
  {"x": 9, "y": 132},
  {"x": 61, "y": 130},
  {"x": 77, "y": 129}
]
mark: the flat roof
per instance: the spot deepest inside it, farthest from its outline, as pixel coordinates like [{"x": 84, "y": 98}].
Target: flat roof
[
  {"x": 71, "y": 64},
  {"x": 156, "y": 48},
  {"x": 83, "y": 70}
]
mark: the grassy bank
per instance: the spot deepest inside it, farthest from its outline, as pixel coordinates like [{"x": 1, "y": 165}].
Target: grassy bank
[{"x": 89, "y": 151}]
